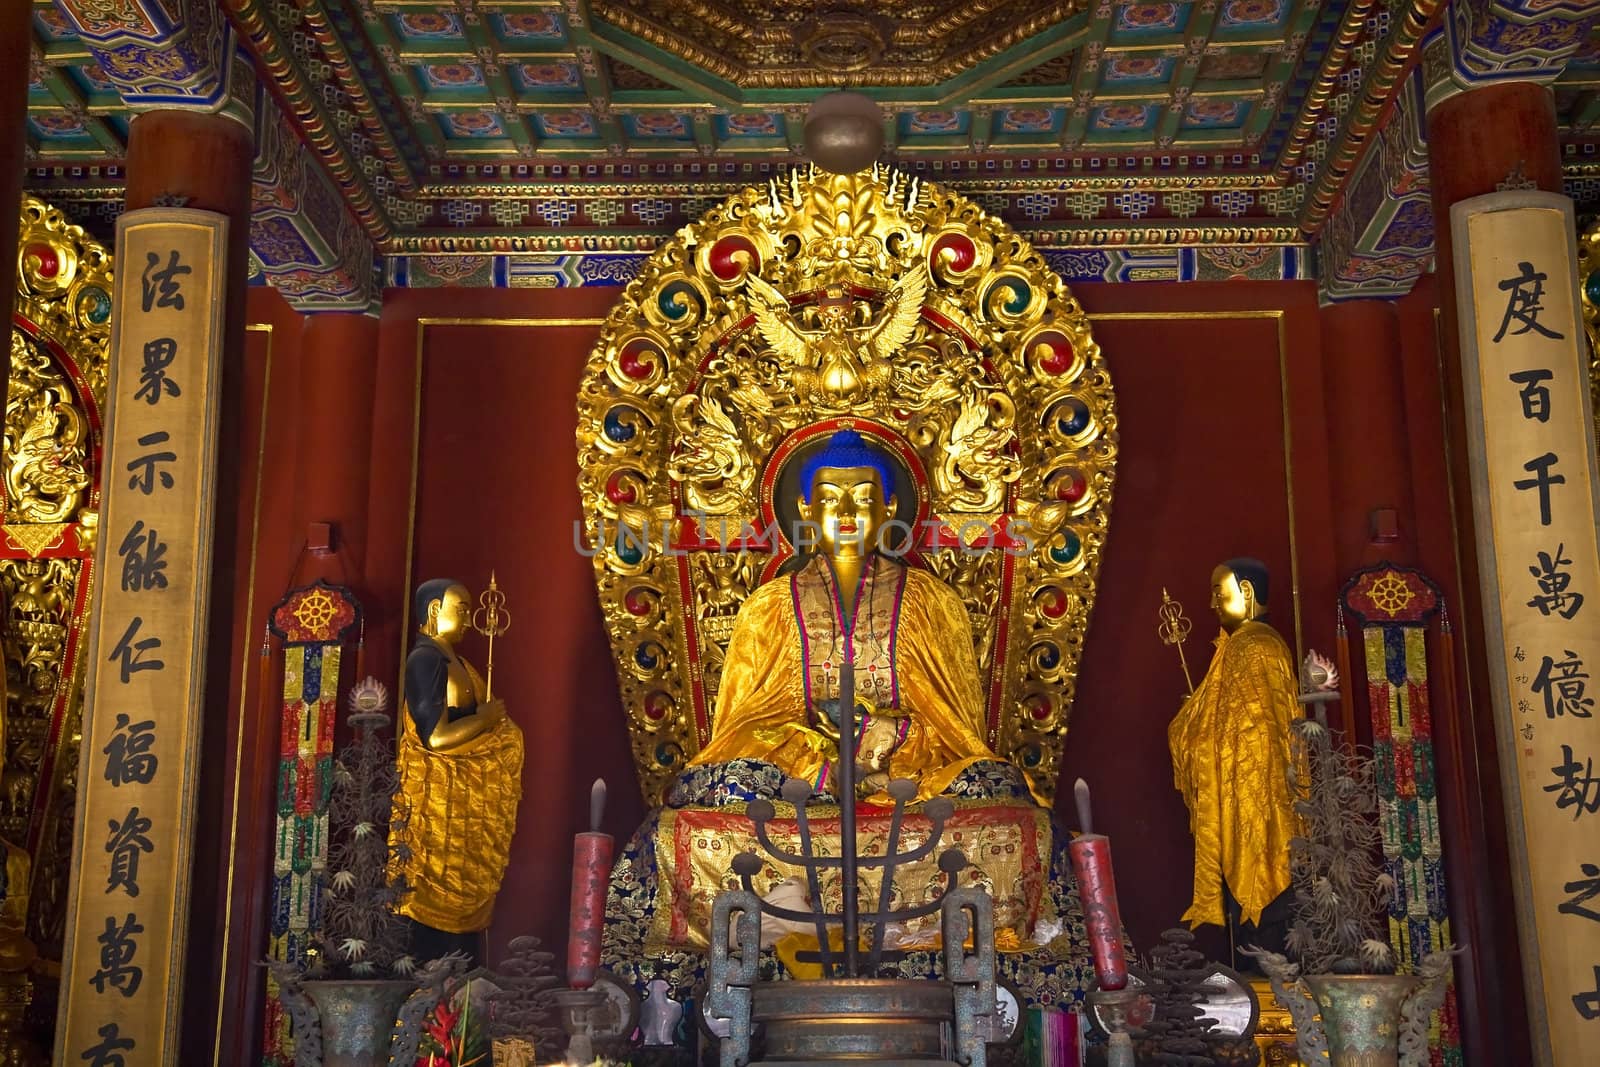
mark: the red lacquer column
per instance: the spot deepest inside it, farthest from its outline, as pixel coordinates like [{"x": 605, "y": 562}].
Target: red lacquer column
[
  {"x": 16, "y": 36},
  {"x": 1371, "y": 468},
  {"x": 183, "y": 158},
  {"x": 1479, "y": 140},
  {"x": 338, "y": 377}
]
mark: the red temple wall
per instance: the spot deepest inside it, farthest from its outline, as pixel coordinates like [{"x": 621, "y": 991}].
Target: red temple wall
[
  {"x": 1203, "y": 475},
  {"x": 1246, "y": 426}
]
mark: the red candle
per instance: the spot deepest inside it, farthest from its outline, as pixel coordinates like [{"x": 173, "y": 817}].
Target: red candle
[
  {"x": 591, "y": 873},
  {"x": 591, "y": 876},
  {"x": 1091, "y": 861},
  {"x": 1097, "y": 892}
]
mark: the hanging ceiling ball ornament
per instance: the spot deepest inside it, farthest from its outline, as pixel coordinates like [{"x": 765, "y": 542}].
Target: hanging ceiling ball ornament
[{"x": 844, "y": 132}]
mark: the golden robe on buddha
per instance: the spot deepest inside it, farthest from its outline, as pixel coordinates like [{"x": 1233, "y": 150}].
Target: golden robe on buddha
[
  {"x": 462, "y": 814},
  {"x": 913, "y": 652},
  {"x": 1231, "y": 755}
]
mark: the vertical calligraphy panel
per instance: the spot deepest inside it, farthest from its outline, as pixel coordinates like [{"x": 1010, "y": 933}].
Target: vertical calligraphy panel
[
  {"x": 127, "y": 922},
  {"x": 1535, "y": 505}
]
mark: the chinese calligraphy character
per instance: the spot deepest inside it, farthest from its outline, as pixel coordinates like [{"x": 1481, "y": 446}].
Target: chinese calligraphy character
[
  {"x": 1588, "y": 1004},
  {"x": 1535, "y": 394},
  {"x": 131, "y": 653},
  {"x": 153, "y": 380},
  {"x": 160, "y": 287},
  {"x": 127, "y": 841},
  {"x": 1527, "y": 731},
  {"x": 1542, "y": 480},
  {"x": 1565, "y": 688},
  {"x": 1584, "y": 890},
  {"x": 128, "y": 755},
  {"x": 1519, "y": 655},
  {"x": 1553, "y": 583},
  {"x": 143, "y": 559},
  {"x": 1526, "y": 290},
  {"x": 108, "y": 1053},
  {"x": 145, "y": 480},
  {"x": 1524, "y": 707},
  {"x": 1577, "y": 787},
  {"x": 117, "y": 968}
]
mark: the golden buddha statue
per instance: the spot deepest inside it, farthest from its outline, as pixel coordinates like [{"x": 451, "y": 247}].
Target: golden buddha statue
[
  {"x": 460, "y": 766},
  {"x": 919, "y": 703},
  {"x": 1231, "y": 756}
]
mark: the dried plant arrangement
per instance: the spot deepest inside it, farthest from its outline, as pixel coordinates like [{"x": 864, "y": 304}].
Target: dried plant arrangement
[{"x": 363, "y": 935}]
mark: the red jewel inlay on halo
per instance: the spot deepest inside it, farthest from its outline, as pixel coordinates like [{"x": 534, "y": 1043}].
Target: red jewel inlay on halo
[
  {"x": 732, "y": 256},
  {"x": 1054, "y": 352},
  {"x": 957, "y": 250},
  {"x": 619, "y": 493},
  {"x": 638, "y": 359},
  {"x": 49, "y": 264},
  {"x": 1071, "y": 487}
]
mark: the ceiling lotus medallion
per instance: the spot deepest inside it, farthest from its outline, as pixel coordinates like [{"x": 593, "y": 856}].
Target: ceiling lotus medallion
[{"x": 844, "y": 41}]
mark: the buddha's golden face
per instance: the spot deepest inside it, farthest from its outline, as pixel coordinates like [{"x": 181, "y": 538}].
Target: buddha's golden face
[
  {"x": 450, "y": 615},
  {"x": 1233, "y": 600},
  {"x": 847, "y": 511}
]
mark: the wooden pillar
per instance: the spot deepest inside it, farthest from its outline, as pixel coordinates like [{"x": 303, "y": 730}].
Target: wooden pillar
[
  {"x": 338, "y": 377},
  {"x": 1479, "y": 140},
  {"x": 16, "y": 39},
  {"x": 1365, "y": 395},
  {"x": 188, "y": 159}
]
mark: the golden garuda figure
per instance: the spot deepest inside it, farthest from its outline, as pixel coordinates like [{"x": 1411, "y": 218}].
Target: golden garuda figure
[
  {"x": 1231, "y": 759},
  {"x": 460, "y": 768},
  {"x": 846, "y": 416}
]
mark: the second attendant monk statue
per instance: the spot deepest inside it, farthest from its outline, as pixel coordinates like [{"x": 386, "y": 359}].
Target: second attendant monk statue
[
  {"x": 1231, "y": 756},
  {"x": 919, "y": 703},
  {"x": 460, "y": 768}
]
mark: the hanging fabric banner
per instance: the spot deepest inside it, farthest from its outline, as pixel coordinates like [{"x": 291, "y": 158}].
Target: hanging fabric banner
[
  {"x": 127, "y": 920},
  {"x": 1535, "y": 505},
  {"x": 1394, "y": 606},
  {"x": 312, "y": 622}
]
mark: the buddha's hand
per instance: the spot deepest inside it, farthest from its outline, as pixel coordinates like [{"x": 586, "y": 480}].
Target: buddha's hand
[
  {"x": 492, "y": 710},
  {"x": 827, "y": 715},
  {"x": 878, "y": 741}
]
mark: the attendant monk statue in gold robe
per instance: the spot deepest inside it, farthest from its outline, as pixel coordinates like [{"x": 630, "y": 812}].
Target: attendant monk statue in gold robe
[
  {"x": 1231, "y": 756},
  {"x": 460, "y": 767},
  {"x": 919, "y": 706}
]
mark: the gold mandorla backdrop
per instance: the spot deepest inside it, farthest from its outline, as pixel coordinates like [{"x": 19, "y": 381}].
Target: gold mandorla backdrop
[{"x": 960, "y": 349}]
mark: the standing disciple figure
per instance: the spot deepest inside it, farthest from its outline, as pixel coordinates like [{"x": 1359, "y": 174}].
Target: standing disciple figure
[
  {"x": 460, "y": 769},
  {"x": 1231, "y": 756}
]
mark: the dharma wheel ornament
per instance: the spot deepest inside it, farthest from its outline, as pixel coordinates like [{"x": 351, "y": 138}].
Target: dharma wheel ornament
[{"x": 871, "y": 301}]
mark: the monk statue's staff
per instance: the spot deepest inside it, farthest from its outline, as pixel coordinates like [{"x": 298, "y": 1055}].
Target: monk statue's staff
[
  {"x": 491, "y": 620},
  {"x": 1174, "y": 630}
]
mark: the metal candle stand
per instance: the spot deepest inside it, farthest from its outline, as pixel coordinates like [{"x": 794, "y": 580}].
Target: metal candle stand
[
  {"x": 1120, "y": 1012},
  {"x": 577, "y": 1008},
  {"x": 850, "y": 1013}
]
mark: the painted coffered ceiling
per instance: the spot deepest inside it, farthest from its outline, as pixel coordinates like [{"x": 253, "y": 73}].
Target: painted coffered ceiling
[{"x": 533, "y": 123}]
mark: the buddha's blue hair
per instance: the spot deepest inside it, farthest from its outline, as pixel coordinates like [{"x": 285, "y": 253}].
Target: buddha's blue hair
[{"x": 847, "y": 448}]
